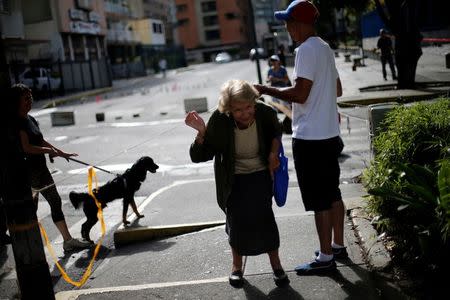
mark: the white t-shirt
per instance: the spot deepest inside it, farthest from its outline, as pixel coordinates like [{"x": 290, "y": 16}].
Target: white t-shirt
[{"x": 317, "y": 118}]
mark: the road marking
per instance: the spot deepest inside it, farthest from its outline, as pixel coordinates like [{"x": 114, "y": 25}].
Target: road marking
[
  {"x": 142, "y": 206},
  {"x": 43, "y": 112},
  {"x": 65, "y": 295},
  {"x": 60, "y": 138},
  {"x": 112, "y": 217},
  {"x": 84, "y": 139},
  {"x": 136, "y": 124},
  {"x": 162, "y": 168}
]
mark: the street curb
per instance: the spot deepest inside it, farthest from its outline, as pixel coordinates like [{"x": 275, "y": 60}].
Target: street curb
[
  {"x": 63, "y": 100},
  {"x": 374, "y": 251},
  {"x": 139, "y": 234}
]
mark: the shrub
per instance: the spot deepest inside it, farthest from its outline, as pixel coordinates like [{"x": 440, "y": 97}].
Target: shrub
[{"x": 403, "y": 179}]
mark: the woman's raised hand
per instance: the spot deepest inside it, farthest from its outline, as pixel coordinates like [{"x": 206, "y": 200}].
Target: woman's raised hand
[{"x": 194, "y": 120}]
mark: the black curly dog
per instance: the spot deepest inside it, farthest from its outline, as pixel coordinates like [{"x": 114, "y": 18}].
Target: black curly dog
[{"x": 123, "y": 186}]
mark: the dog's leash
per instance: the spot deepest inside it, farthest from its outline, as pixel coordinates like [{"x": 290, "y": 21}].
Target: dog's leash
[
  {"x": 80, "y": 162},
  {"x": 89, "y": 165}
]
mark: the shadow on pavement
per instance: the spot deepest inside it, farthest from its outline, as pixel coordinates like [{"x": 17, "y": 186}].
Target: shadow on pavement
[
  {"x": 370, "y": 285},
  {"x": 253, "y": 293},
  {"x": 153, "y": 246}
]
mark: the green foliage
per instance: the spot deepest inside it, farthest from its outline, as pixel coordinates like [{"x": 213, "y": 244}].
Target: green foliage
[{"x": 409, "y": 179}]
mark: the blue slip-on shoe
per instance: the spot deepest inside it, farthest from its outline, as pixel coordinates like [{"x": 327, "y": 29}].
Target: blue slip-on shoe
[
  {"x": 338, "y": 253},
  {"x": 316, "y": 267}
]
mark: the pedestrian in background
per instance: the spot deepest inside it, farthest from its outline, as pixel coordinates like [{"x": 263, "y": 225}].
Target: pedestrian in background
[
  {"x": 163, "y": 66},
  {"x": 35, "y": 147},
  {"x": 281, "y": 55},
  {"x": 315, "y": 126},
  {"x": 277, "y": 76},
  {"x": 387, "y": 53},
  {"x": 242, "y": 136}
]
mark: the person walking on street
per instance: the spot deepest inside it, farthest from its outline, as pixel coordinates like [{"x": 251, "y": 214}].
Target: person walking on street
[
  {"x": 242, "y": 136},
  {"x": 35, "y": 147},
  {"x": 163, "y": 66},
  {"x": 281, "y": 55},
  {"x": 385, "y": 45},
  {"x": 315, "y": 137},
  {"x": 277, "y": 76}
]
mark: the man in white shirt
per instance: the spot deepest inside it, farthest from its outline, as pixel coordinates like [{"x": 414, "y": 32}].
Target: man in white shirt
[{"x": 315, "y": 139}]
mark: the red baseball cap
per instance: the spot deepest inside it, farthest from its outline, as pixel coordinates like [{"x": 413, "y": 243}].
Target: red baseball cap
[{"x": 299, "y": 10}]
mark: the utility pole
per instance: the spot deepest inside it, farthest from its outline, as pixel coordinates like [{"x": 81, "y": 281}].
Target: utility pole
[{"x": 254, "y": 39}]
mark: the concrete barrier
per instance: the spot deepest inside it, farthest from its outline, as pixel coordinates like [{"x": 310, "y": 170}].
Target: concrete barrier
[
  {"x": 140, "y": 234},
  {"x": 100, "y": 117},
  {"x": 62, "y": 118},
  {"x": 347, "y": 57},
  {"x": 376, "y": 115},
  {"x": 197, "y": 104}
]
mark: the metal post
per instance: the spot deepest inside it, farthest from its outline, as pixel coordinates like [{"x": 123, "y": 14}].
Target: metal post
[{"x": 255, "y": 40}]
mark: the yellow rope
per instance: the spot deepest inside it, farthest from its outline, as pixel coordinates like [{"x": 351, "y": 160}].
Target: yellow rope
[{"x": 88, "y": 271}]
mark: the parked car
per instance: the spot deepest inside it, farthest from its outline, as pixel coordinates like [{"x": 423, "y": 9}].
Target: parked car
[
  {"x": 222, "y": 57},
  {"x": 40, "y": 79}
]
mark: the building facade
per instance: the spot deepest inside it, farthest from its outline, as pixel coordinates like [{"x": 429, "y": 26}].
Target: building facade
[
  {"x": 206, "y": 27},
  {"x": 62, "y": 39},
  {"x": 65, "y": 30}
]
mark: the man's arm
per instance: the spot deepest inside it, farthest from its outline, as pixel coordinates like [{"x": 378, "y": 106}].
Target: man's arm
[{"x": 297, "y": 93}]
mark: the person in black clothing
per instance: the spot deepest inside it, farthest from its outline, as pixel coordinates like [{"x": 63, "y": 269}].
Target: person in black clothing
[
  {"x": 35, "y": 147},
  {"x": 385, "y": 45},
  {"x": 281, "y": 55}
]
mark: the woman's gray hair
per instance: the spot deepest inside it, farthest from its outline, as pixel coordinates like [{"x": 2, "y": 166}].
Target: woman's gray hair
[{"x": 236, "y": 90}]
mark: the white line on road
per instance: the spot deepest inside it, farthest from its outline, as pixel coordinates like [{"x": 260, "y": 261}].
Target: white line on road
[
  {"x": 162, "y": 168},
  {"x": 72, "y": 295},
  {"x": 162, "y": 190}
]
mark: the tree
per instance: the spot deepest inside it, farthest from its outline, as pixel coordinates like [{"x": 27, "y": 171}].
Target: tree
[{"x": 401, "y": 17}]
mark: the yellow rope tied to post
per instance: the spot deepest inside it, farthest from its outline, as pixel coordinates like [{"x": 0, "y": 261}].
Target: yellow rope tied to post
[{"x": 87, "y": 273}]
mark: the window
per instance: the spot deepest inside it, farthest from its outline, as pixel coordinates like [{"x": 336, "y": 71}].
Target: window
[
  {"x": 210, "y": 20},
  {"x": 157, "y": 28},
  {"x": 231, "y": 16},
  {"x": 212, "y": 35},
  {"x": 209, "y": 6},
  {"x": 182, "y": 22},
  {"x": 182, "y": 7},
  {"x": 36, "y": 11}
]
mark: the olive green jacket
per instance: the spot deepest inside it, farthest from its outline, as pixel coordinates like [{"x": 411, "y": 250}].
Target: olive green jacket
[{"x": 219, "y": 144}]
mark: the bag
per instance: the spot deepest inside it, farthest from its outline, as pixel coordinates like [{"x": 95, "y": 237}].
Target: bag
[{"x": 281, "y": 178}]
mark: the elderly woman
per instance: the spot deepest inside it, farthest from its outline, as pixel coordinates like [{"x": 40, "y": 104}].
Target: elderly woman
[
  {"x": 35, "y": 147},
  {"x": 243, "y": 137}
]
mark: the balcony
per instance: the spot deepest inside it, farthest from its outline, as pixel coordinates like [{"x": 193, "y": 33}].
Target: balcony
[
  {"x": 117, "y": 10},
  {"x": 122, "y": 36}
]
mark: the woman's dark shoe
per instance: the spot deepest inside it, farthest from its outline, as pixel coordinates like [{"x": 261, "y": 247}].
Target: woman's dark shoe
[
  {"x": 280, "y": 277},
  {"x": 236, "y": 279}
]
